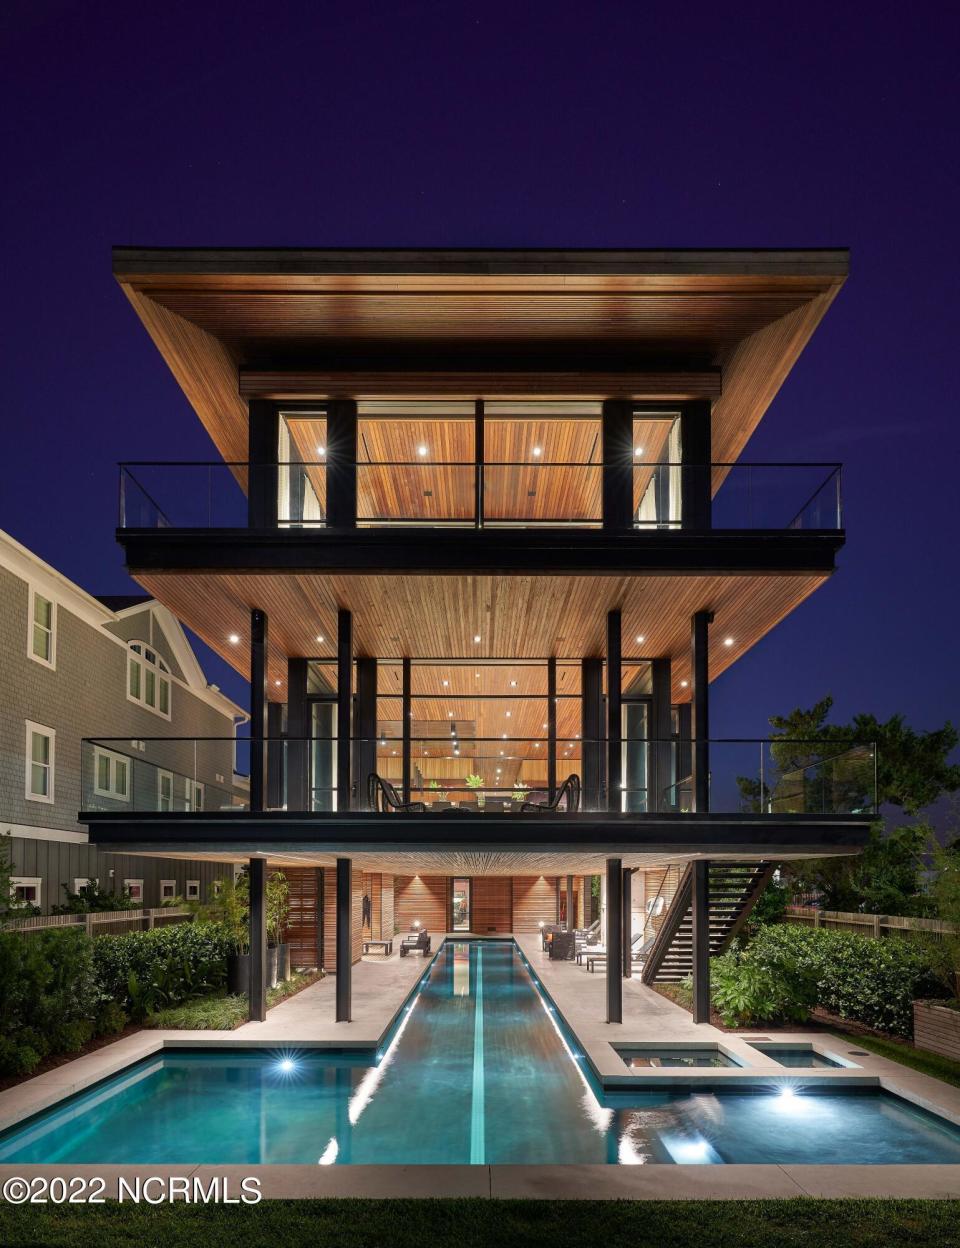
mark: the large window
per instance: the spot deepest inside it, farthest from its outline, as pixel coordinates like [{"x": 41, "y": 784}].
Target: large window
[
  {"x": 111, "y": 774},
  {"x": 148, "y": 679},
  {"x": 657, "y": 471},
  {"x": 42, "y": 630},
  {"x": 40, "y": 760},
  {"x": 302, "y": 470}
]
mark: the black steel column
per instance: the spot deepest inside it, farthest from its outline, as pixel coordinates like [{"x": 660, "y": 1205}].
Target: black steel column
[
  {"x": 344, "y": 938},
  {"x": 365, "y": 728},
  {"x": 478, "y": 458},
  {"x": 617, "y": 464},
  {"x": 571, "y": 917},
  {"x": 614, "y": 713},
  {"x": 406, "y": 700},
  {"x": 700, "y": 701},
  {"x": 258, "y": 940},
  {"x": 344, "y": 704},
  {"x": 552, "y": 727},
  {"x": 614, "y": 940},
  {"x": 627, "y": 923},
  {"x": 259, "y": 725},
  {"x": 263, "y": 445},
  {"x": 661, "y": 730},
  {"x": 341, "y": 459},
  {"x": 591, "y": 729},
  {"x": 700, "y": 910},
  {"x": 298, "y": 730},
  {"x": 696, "y": 474},
  {"x": 276, "y": 749}
]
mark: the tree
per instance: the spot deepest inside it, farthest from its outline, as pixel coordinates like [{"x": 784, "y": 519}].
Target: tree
[{"x": 835, "y": 763}]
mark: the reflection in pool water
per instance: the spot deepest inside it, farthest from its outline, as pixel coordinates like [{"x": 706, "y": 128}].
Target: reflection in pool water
[{"x": 478, "y": 1070}]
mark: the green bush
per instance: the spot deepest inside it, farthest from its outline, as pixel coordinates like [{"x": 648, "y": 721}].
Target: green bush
[
  {"x": 144, "y": 971},
  {"x": 787, "y": 969}
]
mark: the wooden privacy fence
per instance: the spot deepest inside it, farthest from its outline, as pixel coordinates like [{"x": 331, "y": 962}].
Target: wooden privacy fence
[
  {"x": 874, "y": 925},
  {"x": 102, "y": 922}
]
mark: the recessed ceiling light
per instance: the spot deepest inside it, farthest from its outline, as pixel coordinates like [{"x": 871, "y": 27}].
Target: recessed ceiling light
[
  {"x": 641, "y": 639},
  {"x": 421, "y": 450},
  {"x": 234, "y": 638},
  {"x": 545, "y": 725},
  {"x": 513, "y": 684},
  {"x": 728, "y": 641},
  {"x": 449, "y": 714},
  {"x": 684, "y": 683},
  {"x": 536, "y": 745},
  {"x": 476, "y": 637},
  {"x": 538, "y": 450},
  {"x": 509, "y": 713},
  {"x": 321, "y": 639},
  {"x": 278, "y": 682},
  {"x": 321, "y": 450},
  {"x": 638, "y": 451}
]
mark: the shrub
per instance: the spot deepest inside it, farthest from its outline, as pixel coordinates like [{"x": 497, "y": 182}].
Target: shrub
[
  {"x": 787, "y": 969},
  {"x": 110, "y": 1019},
  {"x": 143, "y": 971}
]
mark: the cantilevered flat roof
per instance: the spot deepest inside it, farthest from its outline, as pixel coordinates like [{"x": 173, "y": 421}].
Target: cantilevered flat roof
[{"x": 235, "y": 324}]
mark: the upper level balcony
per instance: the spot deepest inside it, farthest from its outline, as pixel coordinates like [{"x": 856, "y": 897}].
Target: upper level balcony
[{"x": 514, "y": 485}]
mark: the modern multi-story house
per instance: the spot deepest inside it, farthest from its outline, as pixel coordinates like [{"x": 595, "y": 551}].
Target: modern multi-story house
[
  {"x": 481, "y": 535},
  {"x": 72, "y": 665}
]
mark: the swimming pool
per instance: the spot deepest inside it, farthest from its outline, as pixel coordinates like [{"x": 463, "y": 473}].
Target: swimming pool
[{"x": 478, "y": 1070}]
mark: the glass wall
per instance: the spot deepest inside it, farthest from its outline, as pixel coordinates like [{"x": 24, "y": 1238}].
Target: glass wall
[
  {"x": 302, "y": 470},
  {"x": 657, "y": 474}
]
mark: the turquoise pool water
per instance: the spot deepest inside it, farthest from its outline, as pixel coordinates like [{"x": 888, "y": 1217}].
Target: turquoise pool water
[{"x": 478, "y": 1070}]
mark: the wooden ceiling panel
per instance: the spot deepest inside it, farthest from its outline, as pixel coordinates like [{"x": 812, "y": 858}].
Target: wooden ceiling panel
[{"x": 515, "y": 617}]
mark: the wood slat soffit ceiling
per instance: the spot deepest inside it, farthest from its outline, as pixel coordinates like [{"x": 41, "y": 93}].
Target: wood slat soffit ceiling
[{"x": 727, "y": 325}]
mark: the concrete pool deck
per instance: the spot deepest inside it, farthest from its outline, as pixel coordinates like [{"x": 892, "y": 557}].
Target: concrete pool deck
[{"x": 382, "y": 985}]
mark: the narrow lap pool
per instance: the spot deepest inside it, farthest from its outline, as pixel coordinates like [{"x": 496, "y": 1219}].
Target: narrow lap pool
[{"x": 478, "y": 1071}]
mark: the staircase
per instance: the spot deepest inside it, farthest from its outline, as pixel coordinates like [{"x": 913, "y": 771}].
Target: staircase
[{"x": 733, "y": 889}]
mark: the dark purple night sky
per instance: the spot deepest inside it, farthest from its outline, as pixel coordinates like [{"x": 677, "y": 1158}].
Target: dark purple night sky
[{"x": 522, "y": 125}]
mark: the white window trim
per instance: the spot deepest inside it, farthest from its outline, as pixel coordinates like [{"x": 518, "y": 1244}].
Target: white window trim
[
  {"x": 172, "y": 885},
  {"x": 27, "y": 881},
  {"x": 190, "y": 793},
  {"x": 193, "y": 890},
  {"x": 84, "y": 881},
  {"x": 98, "y": 753},
  {"x": 129, "y": 891},
  {"x": 162, "y": 674},
  {"x": 161, "y": 776},
  {"x": 51, "y": 733},
  {"x": 52, "y": 661}
]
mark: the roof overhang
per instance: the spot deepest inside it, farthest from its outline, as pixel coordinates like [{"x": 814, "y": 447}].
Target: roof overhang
[{"x": 231, "y": 322}]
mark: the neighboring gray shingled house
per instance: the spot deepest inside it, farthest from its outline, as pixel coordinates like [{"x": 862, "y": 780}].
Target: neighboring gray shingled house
[{"x": 73, "y": 666}]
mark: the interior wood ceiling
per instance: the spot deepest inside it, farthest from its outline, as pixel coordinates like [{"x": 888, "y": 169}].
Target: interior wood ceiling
[
  {"x": 515, "y": 617},
  {"x": 463, "y": 862},
  {"x": 212, "y": 312}
]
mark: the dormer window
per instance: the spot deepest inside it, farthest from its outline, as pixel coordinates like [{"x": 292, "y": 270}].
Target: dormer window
[{"x": 148, "y": 679}]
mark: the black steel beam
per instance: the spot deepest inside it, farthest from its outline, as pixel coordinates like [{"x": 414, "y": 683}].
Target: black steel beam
[
  {"x": 591, "y": 730},
  {"x": 259, "y": 723},
  {"x": 344, "y": 707},
  {"x": 572, "y": 552},
  {"x": 661, "y": 730},
  {"x": 626, "y": 924},
  {"x": 341, "y": 460},
  {"x": 696, "y": 476},
  {"x": 276, "y": 757},
  {"x": 614, "y": 711},
  {"x": 700, "y": 912},
  {"x": 552, "y": 727},
  {"x": 258, "y": 939},
  {"x": 614, "y": 940},
  {"x": 263, "y": 446},
  {"x": 298, "y": 729},
  {"x": 406, "y": 701},
  {"x": 700, "y": 703},
  {"x": 617, "y": 487},
  {"x": 344, "y": 951},
  {"x": 365, "y": 728},
  {"x": 571, "y": 917}
]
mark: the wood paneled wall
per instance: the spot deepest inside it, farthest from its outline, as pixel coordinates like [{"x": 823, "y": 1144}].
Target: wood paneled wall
[
  {"x": 425, "y": 898},
  {"x": 491, "y": 904},
  {"x": 302, "y": 934},
  {"x": 330, "y": 918},
  {"x": 534, "y": 899},
  {"x": 379, "y": 888}
]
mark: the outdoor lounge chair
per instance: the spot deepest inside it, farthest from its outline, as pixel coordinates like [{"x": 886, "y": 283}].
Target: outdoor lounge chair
[
  {"x": 383, "y": 797},
  {"x": 416, "y": 941},
  {"x": 591, "y": 955},
  {"x": 570, "y": 789}
]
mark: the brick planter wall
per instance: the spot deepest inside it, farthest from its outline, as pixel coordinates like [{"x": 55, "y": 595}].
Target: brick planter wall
[{"x": 936, "y": 1028}]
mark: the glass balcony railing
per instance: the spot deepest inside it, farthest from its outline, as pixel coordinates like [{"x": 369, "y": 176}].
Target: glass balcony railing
[
  {"x": 767, "y": 777},
  {"x": 736, "y": 496},
  {"x": 742, "y": 495}
]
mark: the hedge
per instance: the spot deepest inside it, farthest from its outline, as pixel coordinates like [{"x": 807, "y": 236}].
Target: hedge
[
  {"x": 60, "y": 987},
  {"x": 786, "y": 970}
]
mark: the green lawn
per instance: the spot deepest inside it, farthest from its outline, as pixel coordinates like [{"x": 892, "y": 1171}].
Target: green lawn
[
  {"x": 917, "y": 1059},
  {"x": 220, "y": 1012},
  {"x": 512, "y": 1224}
]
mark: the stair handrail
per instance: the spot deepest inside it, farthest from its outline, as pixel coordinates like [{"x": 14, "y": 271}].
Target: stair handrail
[{"x": 672, "y": 919}]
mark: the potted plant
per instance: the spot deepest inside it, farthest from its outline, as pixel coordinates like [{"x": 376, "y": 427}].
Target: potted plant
[
  {"x": 278, "y": 910},
  {"x": 440, "y": 795},
  {"x": 518, "y": 797},
  {"x": 476, "y": 782},
  {"x": 233, "y": 911}
]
